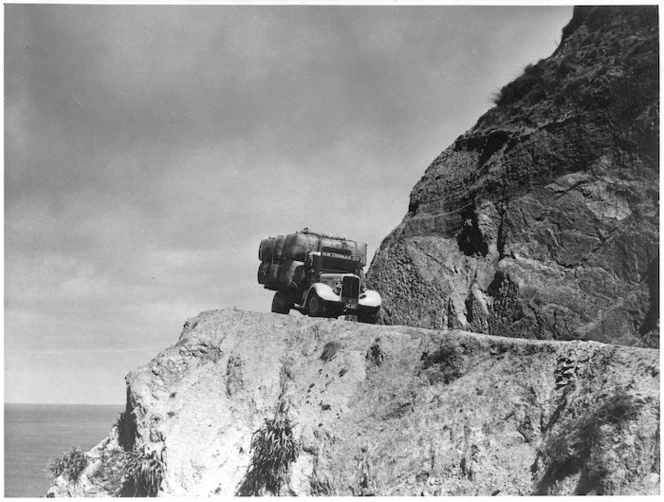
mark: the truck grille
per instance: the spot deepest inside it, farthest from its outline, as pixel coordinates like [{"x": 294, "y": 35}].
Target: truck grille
[{"x": 350, "y": 287}]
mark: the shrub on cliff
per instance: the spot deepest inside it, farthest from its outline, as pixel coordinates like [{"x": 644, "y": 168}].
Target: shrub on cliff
[
  {"x": 446, "y": 363},
  {"x": 589, "y": 444},
  {"x": 274, "y": 449},
  {"x": 71, "y": 465},
  {"x": 144, "y": 472},
  {"x": 522, "y": 86}
]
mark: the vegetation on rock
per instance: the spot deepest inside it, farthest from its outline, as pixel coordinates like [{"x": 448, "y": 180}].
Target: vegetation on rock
[
  {"x": 587, "y": 446},
  {"x": 273, "y": 450},
  {"x": 144, "y": 472},
  {"x": 71, "y": 465}
]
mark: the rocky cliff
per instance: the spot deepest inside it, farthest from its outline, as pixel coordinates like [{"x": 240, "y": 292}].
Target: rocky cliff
[
  {"x": 542, "y": 220},
  {"x": 248, "y": 403}
]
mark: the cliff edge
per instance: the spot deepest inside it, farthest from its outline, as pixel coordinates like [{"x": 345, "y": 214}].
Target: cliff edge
[{"x": 349, "y": 409}]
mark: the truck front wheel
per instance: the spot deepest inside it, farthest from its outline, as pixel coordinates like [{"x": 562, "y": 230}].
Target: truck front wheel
[
  {"x": 314, "y": 305},
  {"x": 370, "y": 317},
  {"x": 281, "y": 303}
]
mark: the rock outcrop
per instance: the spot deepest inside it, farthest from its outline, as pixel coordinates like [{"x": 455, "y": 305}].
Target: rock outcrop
[
  {"x": 542, "y": 221},
  {"x": 352, "y": 409}
]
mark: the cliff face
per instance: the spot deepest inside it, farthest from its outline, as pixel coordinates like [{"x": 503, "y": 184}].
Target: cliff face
[
  {"x": 356, "y": 409},
  {"x": 542, "y": 220}
]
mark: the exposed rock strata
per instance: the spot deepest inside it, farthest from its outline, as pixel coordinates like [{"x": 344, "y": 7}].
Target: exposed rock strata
[
  {"x": 389, "y": 410},
  {"x": 542, "y": 221}
]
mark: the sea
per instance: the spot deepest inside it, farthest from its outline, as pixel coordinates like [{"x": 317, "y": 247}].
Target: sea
[{"x": 37, "y": 433}]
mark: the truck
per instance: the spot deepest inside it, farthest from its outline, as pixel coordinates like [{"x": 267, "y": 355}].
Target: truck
[{"x": 318, "y": 275}]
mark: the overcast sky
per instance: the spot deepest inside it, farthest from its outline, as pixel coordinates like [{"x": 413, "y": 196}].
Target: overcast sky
[{"x": 148, "y": 150}]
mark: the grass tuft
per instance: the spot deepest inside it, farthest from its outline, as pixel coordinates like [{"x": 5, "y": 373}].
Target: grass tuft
[
  {"x": 144, "y": 472},
  {"x": 583, "y": 446},
  {"x": 446, "y": 360},
  {"x": 375, "y": 354},
  {"x": 330, "y": 351},
  {"x": 520, "y": 87},
  {"x": 71, "y": 465},
  {"x": 274, "y": 449}
]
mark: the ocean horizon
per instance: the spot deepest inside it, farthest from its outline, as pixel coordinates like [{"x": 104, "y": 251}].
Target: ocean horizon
[{"x": 37, "y": 433}]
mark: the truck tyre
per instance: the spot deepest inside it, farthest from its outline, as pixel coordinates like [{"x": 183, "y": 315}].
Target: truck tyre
[
  {"x": 315, "y": 306},
  {"x": 368, "y": 317},
  {"x": 281, "y": 303}
]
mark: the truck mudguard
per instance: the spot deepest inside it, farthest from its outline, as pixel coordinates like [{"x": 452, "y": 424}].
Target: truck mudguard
[
  {"x": 325, "y": 292},
  {"x": 370, "y": 298}
]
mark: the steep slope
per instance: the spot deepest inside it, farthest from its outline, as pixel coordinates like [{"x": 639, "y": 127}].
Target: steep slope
[
  {"x": 542, "y": 221},
  {"x": 379, "y": 410}
]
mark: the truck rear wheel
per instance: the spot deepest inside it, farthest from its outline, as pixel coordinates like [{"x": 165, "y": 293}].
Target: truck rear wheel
[{"x": 281, "y": 303}]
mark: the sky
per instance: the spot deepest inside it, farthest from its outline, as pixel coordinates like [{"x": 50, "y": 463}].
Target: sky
[{"x": 149, "y": 149}]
